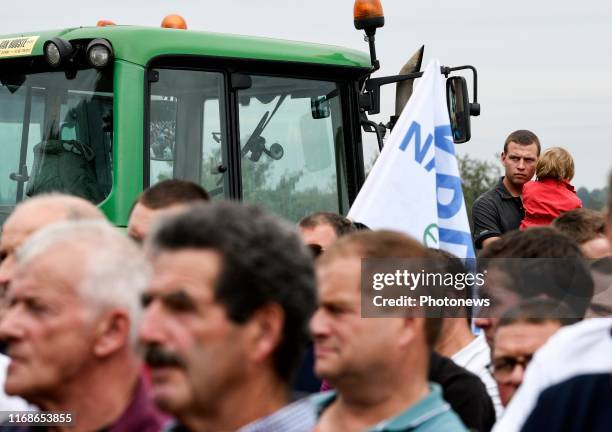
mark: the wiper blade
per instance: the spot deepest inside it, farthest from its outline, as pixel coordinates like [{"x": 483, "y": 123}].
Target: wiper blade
[{"x": 265, "y": 120}]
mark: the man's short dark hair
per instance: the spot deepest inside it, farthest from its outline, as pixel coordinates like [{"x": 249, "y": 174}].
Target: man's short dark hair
[
  {"x": 263, "y": 262},
  {"x": 538, "y": 311},
  {"x": 560, "y": 273},
  {"x": 340, "y": 224},
  {"x": 522, "y": 137},
  {"x": 170, "y": 192},
  {"x": 581, "y": 224}
]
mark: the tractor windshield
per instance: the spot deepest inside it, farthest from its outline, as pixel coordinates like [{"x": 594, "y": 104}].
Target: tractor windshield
[{"x": 290, "y": 138}]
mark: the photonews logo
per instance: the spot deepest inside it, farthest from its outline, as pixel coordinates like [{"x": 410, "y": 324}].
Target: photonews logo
[{"x": 430, "y": 235}]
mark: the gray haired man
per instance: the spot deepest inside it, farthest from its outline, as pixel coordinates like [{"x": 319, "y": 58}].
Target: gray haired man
[
  {"x": 71, "y": 327},
  {"x": 26, "y": 219}
]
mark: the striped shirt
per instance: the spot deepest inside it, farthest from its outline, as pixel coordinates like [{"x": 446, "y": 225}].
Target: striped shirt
[{"x": 300, "y": 416}]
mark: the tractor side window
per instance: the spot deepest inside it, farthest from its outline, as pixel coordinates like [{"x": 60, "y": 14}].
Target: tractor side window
[
  {"x": 187, "y": 129},
  {"x": 11, "y": 129},
  {"x": 55, "y": 133}
]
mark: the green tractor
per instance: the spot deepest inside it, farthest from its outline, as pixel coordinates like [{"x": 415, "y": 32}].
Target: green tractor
[{"x": 104, "y": 112}]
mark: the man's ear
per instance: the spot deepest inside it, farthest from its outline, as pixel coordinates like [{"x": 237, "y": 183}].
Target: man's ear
[
  {"x": 410, "y": 327},
  {"x": 265, "y": 331},
  {"x": 112, "y": 333}
]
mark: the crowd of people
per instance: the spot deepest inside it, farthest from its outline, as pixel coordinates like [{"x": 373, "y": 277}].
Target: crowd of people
[{"x": 219, "y": 316}]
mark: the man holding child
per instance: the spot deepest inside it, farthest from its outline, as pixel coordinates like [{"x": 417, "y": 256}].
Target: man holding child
[{"x": 500, "y": 209}]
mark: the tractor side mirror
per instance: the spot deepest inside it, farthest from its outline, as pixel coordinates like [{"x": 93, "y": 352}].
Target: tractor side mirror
[{"x": 458, "y": 103}]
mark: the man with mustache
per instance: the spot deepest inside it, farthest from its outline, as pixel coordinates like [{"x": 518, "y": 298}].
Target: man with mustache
[
  {"x": 225, "y": 319},
  {"x": 71, "y": 328},
  {"x": 500, "y": 209}
]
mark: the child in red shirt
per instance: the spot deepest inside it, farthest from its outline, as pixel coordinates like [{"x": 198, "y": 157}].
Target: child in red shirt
[{"x": 551, "y": 194}]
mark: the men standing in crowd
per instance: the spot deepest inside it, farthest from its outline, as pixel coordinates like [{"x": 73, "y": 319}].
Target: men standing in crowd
[
  {"x": 538, "y": 262},
  {"x": 520, "y": 333},
  {"x": 226, "y": 317},
  {"x": 457, "y": 341},
  {"x": 378, "y": 366},
  {"x": 320, "y": 230},
  {"x": 567, "y": 386},
  {"x": 72, "y": 324},
  {"x": 500, "y": 210},
  {"x": 161, "y": 199},
  {"x": 27, "y": 218}
]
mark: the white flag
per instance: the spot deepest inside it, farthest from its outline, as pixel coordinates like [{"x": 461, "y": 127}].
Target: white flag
[{"x": 415, "y": 186}]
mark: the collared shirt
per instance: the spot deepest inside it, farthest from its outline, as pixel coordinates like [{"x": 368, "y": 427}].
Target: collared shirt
[
  {"x": 464, "y": 391},
  {"x": 475, "y": 357},
  {"x": 496, "y": 212},
  {"x": 299, "y": 416},
  {"x": 140, "y": 415},
  {"x": 430, "y": 414}
]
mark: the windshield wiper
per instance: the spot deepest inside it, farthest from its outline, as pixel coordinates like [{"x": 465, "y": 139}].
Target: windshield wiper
[{"x": 255, "y": 144}]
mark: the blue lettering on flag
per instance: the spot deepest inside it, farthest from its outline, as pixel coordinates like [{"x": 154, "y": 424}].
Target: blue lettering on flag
[
  {"x": 457, "y": 237},
  {"x": 443, "y": 134},
  {"x": 419, "y": 151},
  {"x": 443, "y": 181}
]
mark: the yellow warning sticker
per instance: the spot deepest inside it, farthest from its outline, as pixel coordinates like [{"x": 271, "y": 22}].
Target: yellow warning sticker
[{"x": 14, "y": 47}]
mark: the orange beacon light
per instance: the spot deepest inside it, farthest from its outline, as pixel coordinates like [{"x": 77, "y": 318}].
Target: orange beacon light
[{"x": 175, "y": 22}]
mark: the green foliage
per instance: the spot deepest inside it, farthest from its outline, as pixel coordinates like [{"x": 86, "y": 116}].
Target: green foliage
[
  {"x": 595, "y": 199},
  {"x": 282, "y": 197},
  {"x": 477, "y": 177},
  {"x": 278, "y": 195}
]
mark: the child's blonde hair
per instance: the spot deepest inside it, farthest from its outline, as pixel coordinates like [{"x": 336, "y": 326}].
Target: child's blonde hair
[{"x": 555, "y": 163}]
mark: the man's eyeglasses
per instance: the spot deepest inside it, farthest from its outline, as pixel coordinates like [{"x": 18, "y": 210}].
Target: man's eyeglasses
[{"x": 501, "y": 368}]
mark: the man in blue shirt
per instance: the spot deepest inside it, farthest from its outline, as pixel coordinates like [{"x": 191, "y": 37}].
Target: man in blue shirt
[{"x": 378, "y": 366}]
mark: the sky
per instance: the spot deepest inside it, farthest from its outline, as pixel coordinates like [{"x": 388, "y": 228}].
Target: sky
[{"x": 542, "y": 65}]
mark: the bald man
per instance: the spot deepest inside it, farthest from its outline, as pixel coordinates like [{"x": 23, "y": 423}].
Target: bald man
[{"x": 30, "y": 216}]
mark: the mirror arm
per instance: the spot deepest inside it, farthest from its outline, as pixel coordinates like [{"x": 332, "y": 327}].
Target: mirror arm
[
  {"x": 375, "y": 83},
  {"x": 369, "y": 99},
  {"x": 377, "y": 128}
]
